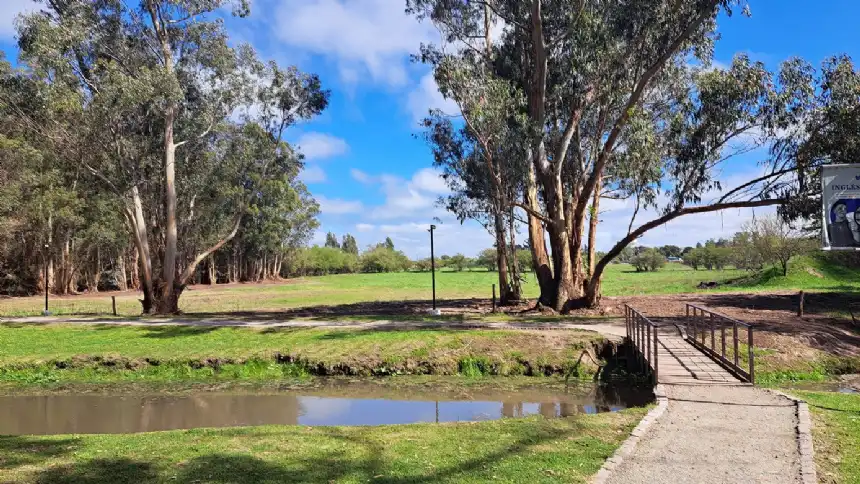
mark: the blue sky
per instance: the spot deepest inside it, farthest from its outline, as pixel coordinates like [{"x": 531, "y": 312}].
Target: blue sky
[{"x": 374, "y": 178}]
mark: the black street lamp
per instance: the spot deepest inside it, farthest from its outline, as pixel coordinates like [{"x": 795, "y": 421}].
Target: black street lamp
[
  {"x": 433, "y": 266},
  {"x": 46, "y": 313}
]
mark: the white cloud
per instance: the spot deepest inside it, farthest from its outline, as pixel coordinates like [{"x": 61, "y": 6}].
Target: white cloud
[
  {"x": 312, "y": 174},
  {"x": 427, "y": 96},
  {"x": 364, "y": 227},
  {"x": 363, "y": 37},
  {"x": 360, "y": 176},
  {"x": 409, "y": 198},
  {"x": 337, "y": 206},
  {"x": 316, "y": 146},
  {"x": 9, "y": 10}
]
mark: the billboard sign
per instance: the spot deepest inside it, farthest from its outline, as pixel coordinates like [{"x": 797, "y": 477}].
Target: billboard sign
[{"x": 840, "y": 197}]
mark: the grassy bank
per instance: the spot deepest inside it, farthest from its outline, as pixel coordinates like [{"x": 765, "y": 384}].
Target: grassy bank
[
  {"x": 52, "y": 354},
  {"x": 836, "y": 429},
  {"x": 533, "y": 449}
]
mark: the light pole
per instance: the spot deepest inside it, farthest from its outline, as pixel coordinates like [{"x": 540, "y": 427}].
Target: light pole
[
  {"x": 46, "y": 313},
  {"x": 433, "y": 266}
]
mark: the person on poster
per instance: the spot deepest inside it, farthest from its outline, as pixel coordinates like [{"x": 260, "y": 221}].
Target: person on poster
[
  {"x": 854, "y": 224},
  {"x": 839, "y": 230}
]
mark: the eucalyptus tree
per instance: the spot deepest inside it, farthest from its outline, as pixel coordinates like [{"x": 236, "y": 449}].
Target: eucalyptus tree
[
  {"x": 160, "y": 89},
  {"x": 613, "y": 106},
  {"x": 479, "y": 151}
]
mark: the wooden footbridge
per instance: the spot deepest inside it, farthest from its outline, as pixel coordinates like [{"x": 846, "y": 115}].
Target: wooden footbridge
[{"x": 702, "y": 347}]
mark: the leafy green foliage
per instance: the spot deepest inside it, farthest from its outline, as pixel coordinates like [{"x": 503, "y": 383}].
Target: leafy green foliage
[{"x": 648, "y": 260}]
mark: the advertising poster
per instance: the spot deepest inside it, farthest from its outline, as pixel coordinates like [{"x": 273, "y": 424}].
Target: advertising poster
[{"x": 840, "y": 196}]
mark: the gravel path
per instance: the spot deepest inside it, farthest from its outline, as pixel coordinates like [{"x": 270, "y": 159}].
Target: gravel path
[{"x": 715, "y": 429}]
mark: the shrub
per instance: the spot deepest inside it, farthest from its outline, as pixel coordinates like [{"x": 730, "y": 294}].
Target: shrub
[{"x": 648, "y": 260}]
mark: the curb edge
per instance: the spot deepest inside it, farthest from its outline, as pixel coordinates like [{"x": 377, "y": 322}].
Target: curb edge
[
  {"x": 629, "y": 445},
  {"x": 808, "y": 474}
]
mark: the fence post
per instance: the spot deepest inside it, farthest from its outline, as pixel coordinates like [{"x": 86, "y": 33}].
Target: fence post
[
  {"x": 723, "y": 338},
  {"x": 656, "y": 351},
  {"x": 713, "y": 342},
  {"x": 687, "y": 318},
  {"x": 113, "y": 303},
  {"x": 735, "y": 338},
  {"x": 800, "y": 304},
  {"x": 648, "y": 345},
  {"x": 494, "y": 298},
  {"x": 752, "y": 361}
]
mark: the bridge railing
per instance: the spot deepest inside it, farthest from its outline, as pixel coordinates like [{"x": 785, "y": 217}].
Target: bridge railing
[
  {"x": 642, "y": 333},
  {"x": 703, "y": 326}
]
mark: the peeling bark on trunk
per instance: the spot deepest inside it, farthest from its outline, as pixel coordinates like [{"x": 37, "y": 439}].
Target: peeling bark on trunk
[
  {"x": 537, "y": 242},
  {"x": 502, "y": 258}
]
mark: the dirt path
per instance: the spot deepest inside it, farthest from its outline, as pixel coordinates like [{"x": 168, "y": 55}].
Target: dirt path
[{"x": 609, "y": 328}]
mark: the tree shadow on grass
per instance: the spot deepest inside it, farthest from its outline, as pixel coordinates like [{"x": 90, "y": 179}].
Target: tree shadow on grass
[
  {"x": 98, "y": 471},
  {"x": 324, "y": 466},
  {"x": 17, "y": 451},
  {"x": 177, "y": 331}
]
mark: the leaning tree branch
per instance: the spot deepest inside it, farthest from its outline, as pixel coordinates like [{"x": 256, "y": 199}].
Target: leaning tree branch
[
  {"x": 616, "y": 250},
  {"x": 750, "y": 183},
  {"x": 532, "y": 212}
]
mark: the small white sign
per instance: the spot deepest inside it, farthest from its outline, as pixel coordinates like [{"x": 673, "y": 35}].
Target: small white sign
[{"x": 840, "y": 197}]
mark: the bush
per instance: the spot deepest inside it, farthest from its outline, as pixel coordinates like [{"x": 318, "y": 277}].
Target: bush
[
  {"x": 384, "y": 259},
  {"x": 487, "y": 258},
  {"x": 648, "y": 260},
  {"x": 458, "y": 262}
]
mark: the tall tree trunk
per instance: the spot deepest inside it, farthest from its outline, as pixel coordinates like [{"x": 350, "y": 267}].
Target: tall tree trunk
[
  {"x": 137, "y": 222},
  {"x": 537, "y": 242},
  {"x": 502, "y": 256},
  {"x": 516, "y": 284},
  {"x": 122, "y": 280},
  {"x": 593, "y": 220},
  {"x": 213, "y": 274},
  {"x": 134, "y": 278},
  {"x": 169, "y": 300}
]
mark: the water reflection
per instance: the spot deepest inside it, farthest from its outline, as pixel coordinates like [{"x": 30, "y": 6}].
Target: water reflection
[{"x": 68, "y": 414}]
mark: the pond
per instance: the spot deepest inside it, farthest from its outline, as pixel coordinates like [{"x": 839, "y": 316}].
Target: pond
[{"x": 342, "y": 404}]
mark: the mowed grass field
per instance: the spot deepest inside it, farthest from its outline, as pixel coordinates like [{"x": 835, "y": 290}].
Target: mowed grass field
[
  {"x": 533, "y": 449},
  {"x": 806, "y": 273}
]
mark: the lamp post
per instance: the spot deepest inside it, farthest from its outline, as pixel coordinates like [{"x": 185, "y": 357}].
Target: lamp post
[
  {"x": 433, "y": 266},
  {"x": 46, "y": 312}
]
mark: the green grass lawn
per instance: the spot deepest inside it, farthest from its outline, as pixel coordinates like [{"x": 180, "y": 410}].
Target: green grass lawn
[
  {"x": 836, "y": 430},
  {"x": 57, "y": 354},
  {"x": 621, "y": 279},
  {"x": 531, "y": 449},
  {"x": 808, "y": 273}
]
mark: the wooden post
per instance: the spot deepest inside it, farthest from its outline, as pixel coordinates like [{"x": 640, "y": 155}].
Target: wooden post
[
  {"x": 648, "y": 344},
  {"x": 750, "y": 349},
  {"x": 494, "y": 298},
  {"x": 735, "y": 339},
  {"x": 800, "y": 304},
  {"x": 113, "y": 302},
  {"x": 723, "y": 339},
  {"x": 656, "y": 351},
  {"x": 713, "y": 343}
]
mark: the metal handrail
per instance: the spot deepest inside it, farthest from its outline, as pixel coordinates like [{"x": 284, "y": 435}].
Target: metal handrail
[
  {"x": 701, "y": 321},
  {"x": 642, "y": 333}
]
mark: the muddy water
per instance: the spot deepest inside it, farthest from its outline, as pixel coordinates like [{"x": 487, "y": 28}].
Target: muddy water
[{"x": 109, "y": 414}]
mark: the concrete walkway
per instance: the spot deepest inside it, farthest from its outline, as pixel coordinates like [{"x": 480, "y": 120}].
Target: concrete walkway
[{"x": 716, "y": 429}]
